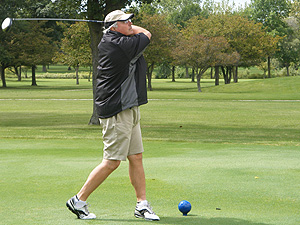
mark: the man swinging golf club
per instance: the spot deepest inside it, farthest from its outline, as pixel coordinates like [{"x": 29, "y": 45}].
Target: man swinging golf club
[{"x": 121, "y": 89}]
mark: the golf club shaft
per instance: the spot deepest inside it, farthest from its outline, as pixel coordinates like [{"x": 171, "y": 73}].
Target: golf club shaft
[{"x": 59, "y": 19}]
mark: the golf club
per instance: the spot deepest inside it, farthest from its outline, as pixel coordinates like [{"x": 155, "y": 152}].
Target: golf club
[{"x": 7, "y": 23}]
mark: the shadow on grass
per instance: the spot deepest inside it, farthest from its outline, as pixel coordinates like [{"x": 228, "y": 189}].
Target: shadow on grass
[
  {"x": 45, "y": 88},
  {"x": 191, "y": 219},
  {"x": 46, "y": 84}
]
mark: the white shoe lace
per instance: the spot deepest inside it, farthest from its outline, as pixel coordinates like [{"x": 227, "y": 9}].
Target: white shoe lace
[
  {"x": 83, "y": 208},
  {"x": 86, "y": 209},
  {"x": 150, "y": 210},
  {"x": 146, "y": 207}
]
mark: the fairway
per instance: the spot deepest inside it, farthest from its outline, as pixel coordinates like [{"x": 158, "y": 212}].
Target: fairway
[{"x": 234, "y": 147}]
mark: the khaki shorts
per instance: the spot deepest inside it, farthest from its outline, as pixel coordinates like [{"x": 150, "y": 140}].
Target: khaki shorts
[{"x": 122, "y": 135}]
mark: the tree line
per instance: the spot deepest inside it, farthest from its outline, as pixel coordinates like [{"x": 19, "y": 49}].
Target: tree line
[{"x": 195, "y": 34}]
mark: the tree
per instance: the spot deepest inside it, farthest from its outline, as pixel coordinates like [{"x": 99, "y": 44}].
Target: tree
[
  {"x": 178, "y": 12},
  {"x": 295, "y": 9},
  {"x": 26, "y": 45},
  {"x": 289, "y": 46},
  {"x": 200, "y": 53},
  {"x": 13, "y": 53},
  {"x": 75, "y": 48},
  {"x": 8, "y": 8},
  {"x": 5, "y": 58},
  {"x": 162, "y": 41},
  {"x": 248, "y": 39},
  {"x": 271, "y": 13},
  {"x": 35, "y": 47}
]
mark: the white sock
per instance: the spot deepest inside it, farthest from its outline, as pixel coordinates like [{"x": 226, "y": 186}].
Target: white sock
[
  {"x": 144, "y": 202},
  {"x": 78, "y": 203}
]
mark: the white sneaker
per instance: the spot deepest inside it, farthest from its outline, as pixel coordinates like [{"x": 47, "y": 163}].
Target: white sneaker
[
  {"x": 144, "y": 210},
  {"x": 80, "y": 208}
]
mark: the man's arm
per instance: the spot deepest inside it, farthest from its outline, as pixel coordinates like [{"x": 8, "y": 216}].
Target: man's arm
[{"x": 137, "y": 30}]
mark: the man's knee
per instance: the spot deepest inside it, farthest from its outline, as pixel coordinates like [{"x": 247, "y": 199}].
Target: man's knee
[
  {"x": 136, "y": 157},
  {"x": 111, "y": 164}
]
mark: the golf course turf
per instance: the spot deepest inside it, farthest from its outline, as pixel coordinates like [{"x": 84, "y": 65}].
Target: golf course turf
[{"x": 232, "y": 151}]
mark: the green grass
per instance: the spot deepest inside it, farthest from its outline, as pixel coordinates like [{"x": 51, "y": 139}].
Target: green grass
[
  {"x": 216, "y": 149},
  {"x": 56, "y": 69}
]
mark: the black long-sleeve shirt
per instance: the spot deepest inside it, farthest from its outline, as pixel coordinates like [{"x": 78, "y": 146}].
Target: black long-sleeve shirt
[{"x": 121, "y": 77}]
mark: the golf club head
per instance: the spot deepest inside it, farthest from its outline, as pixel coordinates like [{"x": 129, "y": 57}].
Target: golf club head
[{"x": 6, "y": 24}]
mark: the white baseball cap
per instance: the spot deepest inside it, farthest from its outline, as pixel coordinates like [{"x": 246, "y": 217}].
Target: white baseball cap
[{"x": 117, "y": 15}]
